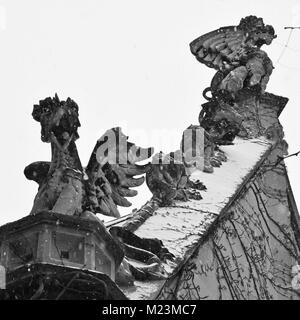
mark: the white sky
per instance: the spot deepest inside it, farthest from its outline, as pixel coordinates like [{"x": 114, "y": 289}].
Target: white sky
[{"x": 125, "y": 63}]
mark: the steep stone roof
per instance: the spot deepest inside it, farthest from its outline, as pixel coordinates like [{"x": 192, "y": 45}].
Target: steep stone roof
[{"x": 183, "y": 226}]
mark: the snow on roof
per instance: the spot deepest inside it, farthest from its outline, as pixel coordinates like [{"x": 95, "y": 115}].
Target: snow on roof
[
  {"x": 223, "y": 183},
  {"x": 181, "y": 226}
]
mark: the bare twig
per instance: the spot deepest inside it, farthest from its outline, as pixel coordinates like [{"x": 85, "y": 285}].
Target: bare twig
[{"x": 283, "y": 158}]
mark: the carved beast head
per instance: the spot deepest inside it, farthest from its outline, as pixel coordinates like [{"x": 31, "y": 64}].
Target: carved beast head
[
  {"x": 58, "y": 118},
  {"x": 257, "y": 31},
  {"x": 221, "y": 121}
]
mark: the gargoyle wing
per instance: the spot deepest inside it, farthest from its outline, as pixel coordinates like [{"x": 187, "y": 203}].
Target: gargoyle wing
[
  {"x": 227, "y": 48},
  {"x": 220, "y": 49},
  {"x": 111, "y": 171},
  {"x": 37, "y": 171}
]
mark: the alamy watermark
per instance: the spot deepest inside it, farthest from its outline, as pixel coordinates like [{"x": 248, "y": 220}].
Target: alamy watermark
[{"x": 114, "y": 148}]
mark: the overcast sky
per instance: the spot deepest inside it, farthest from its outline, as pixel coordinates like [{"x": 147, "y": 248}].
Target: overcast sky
[{"x": 125, "y": 63}]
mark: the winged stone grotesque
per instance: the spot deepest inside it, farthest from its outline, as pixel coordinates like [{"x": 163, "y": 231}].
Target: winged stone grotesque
[
  {"x": 235, "y": 52},
  {"x": 64, "y": 185},
  {"x": 168, "y": 179},
  {"x": 111, "y": 174}
]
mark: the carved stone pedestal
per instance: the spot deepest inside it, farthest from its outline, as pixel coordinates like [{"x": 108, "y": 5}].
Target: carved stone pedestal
[{"x": 54, "y": 256}]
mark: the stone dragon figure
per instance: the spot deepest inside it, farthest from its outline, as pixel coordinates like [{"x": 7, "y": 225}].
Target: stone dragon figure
[
  {"x": 235, "y": 52},
  {"x": 243, "y": 70},
  {"x": 64, "y": 185}
]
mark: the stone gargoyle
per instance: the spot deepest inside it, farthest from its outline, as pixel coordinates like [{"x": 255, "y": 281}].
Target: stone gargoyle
[
  {"x": 208, "y": 149},
  {"x": 235, "y": 52},
  {"x": 221, "y": 121},
  {"x": 64, "y": 185},
  {"x": 168, "y": 180}
]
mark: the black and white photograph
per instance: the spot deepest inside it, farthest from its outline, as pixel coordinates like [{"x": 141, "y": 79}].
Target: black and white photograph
[{"x": 149, "y": 152}]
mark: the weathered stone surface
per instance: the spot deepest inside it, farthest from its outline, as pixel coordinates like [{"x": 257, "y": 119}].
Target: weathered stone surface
[
  {"x": 235, "y": 52},
  {"x": 64, "y": 185},
  {"x": 184, "y": 226},
  {"x": 260, "y": 116},
  {"x": 240, "y": 238},
  {"x": 251, "y": 251},
  {"x": 169, "y": 181}
]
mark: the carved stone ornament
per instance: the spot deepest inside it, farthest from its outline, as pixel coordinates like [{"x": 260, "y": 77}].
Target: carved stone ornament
[{"x": 64, "y": 185}]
